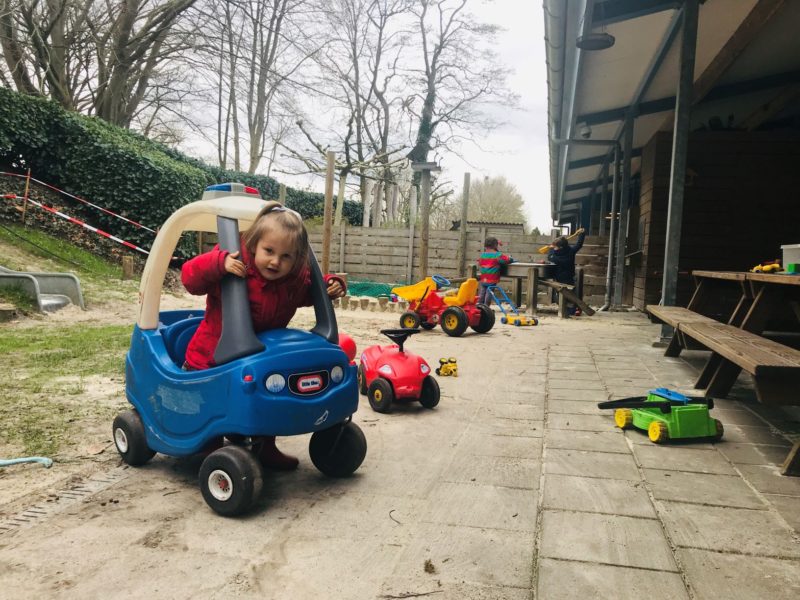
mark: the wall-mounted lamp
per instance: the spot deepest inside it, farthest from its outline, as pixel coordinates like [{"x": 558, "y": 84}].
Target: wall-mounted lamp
[{"x": 595, "y": 41}]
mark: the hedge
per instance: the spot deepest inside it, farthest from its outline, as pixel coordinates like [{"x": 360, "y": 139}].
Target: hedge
[{"x": 118, "y": 169}]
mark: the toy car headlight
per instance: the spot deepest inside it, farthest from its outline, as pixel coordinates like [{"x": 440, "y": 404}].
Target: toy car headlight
[
  {"x": 386, "y": 370},
  {"x": 337, "y": 374},
  {"x": 424, "y": 369},
  {"x": 275, "y": 383}
]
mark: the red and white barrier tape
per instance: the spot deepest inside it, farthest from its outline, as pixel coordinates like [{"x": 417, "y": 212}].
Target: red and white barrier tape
[
  {"x": 78, "y": 222},
  {"x": 52, "y": 187}
]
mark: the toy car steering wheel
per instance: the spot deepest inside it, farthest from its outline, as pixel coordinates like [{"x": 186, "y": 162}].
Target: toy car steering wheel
[
  {"x": 440, "y": 281},
  {"x": 399, "y": 336}
]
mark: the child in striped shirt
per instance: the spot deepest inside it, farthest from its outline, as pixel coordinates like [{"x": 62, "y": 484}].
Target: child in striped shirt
[{"x": 489, "y": 264}]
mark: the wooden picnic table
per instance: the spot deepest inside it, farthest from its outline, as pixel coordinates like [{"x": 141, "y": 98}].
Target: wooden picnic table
[{"x": 534, "y": 275}]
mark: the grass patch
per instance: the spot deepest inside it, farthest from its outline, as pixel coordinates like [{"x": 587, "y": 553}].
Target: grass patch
[
  {"x": 42, "y": 377},
  {"x": 18, "y": 297}
]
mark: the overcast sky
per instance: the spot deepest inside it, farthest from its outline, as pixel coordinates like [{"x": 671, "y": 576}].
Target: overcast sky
[{"x": 518, "y": 151}]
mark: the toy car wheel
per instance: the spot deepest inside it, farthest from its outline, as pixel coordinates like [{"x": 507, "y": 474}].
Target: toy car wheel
[
  {"x": 623, "y": 417},
  {"x": 487, "y": 319},
  {"x": 129, "y": 438},
  {"x": 339, "y": 450},
  {"x": 427, "y": 326},
  {"x": 438, "y": 371},
  {"x": 517, "y": 323},
  {"x": 503, "y": 320},
  {"x": 657, "y": 432},
  {"x": 409, "y": 320},
  {"x": 381, "y": 395},
  {"x": 720, "y": 430},
  {"x": 231, "y": 480},
  {"x": 454, "y": 321},
  {"x": 429, "y": 397},
  {"x": 362, "y": 379}
]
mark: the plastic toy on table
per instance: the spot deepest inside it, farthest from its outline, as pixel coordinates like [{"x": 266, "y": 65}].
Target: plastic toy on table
[
  {"x": 455, "y": 312},
  {"x": 666, "y": 414},
  {"x": 278, "y": 382}
]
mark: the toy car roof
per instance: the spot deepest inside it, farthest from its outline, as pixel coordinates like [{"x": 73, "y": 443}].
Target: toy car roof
[{"x": 197, "y": 216}]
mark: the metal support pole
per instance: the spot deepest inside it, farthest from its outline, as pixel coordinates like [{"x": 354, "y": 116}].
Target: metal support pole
[
  {"x": 624, "y": 210},
  {"x": 680, "y": 144},
  {"x": 612, "y": 228},
  {"x": 424, "y": 215},
  {"x": 601, "y": 226}
]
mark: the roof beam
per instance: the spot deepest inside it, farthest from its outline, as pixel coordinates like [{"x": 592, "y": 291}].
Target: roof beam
[
  {"x": 614, "y": 11},
  {"x": 587, "y": 184},
  {"x": 598, "y": 160},
  {"x": 665, "y": 104},
  {"x": 747, "y": 31}
]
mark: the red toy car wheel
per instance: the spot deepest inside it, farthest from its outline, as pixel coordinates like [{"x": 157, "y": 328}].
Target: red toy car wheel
[
  {"x": 487, "y": 319},
  {"x": 430, "y": 392},
  {"x": 362, "y": 379},
  {"x": 381, "y": 395}
]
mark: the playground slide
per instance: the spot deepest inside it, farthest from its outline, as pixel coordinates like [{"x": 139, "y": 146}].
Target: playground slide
[
  {"x": 416, "y": 291},
  {"x": 50, "y": 291}
]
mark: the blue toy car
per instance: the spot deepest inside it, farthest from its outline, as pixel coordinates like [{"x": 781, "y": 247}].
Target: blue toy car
[{"x": 280, "y": 382}]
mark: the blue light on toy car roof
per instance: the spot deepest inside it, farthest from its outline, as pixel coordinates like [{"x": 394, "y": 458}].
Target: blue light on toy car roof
[
  {"x": 337, "y": 374},
  {"x": 275, "y": 383},
  {"x": 219, "y": 187},
  {"x": 386, "y": 370}
]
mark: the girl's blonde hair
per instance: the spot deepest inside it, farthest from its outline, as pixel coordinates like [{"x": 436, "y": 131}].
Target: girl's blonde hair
[{"x": 287, "y": 221}]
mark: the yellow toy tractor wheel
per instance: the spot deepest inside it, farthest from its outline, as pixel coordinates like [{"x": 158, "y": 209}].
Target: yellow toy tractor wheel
[
  {"x": 623, "y": 417},
  {"x": 658, "y": 432}
]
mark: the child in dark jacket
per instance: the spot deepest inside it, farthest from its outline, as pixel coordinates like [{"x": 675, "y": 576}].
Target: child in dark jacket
[
  {"x": 274, "y": 263},
  {"x": 562, "y": 255},
  {"x": 490, "y": 261}
]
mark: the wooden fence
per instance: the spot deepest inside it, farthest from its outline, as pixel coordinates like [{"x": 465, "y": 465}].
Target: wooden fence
[{"x": 389, "y": 256}]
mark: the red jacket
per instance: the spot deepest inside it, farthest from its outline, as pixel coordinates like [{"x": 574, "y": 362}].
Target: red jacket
[{"x": 272, "y": 303}]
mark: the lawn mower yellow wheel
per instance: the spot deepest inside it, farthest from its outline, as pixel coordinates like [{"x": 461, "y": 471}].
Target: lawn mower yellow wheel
[
  {"x": 657, "y": 432},
  {"x": 623, "y": 417},
  {"x": 720, "y": 430}
]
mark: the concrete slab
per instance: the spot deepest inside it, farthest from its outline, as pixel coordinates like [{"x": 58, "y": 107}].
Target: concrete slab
[
  {"x": 725, "y": 529},
  {"x": 574, "y": 407},
  {"x": 587, "y": 375},
  {"x": 500, "y": 426},
  {"x": 677, "y": 458},
  {"x": 468, "y": 555},
  {"x": 732, "y": 416},
  {"x": 567, "y": 580},
  {"x": 513, "y": 412},
  {"x": 753, "y": 454},
  {"x": 412, "y": 587},
  {"x": 602, "y": 441},
  {"x": 562, "y": 393},
  {"x": 592, "y": 494},
  {"x": 484, "y": 444},
  {"x": 737, "y": 577},
  {"x": 595, "y": 464},
  {"x": 788, "y": 507},
  {"x": 702, "y": 488},
  {"x": 753, "y": 435},
  {"x": 595, "y": 422},
  {"x": 575, "y": 385},
  {"x": 608, "y": 539},
  {"x": 495, "y": 470},
  {"x": 767, "y": 479},
  {"x": 474, "y": 505}
]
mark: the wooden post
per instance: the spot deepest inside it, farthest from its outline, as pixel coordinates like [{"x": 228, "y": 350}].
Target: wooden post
[
  {"x": 25, "y": 196},
  {"x": 328, "y": 214},
  {"x": 412, "y": 221},
  {"x": 337, "y": 219},
  {"x": 127, "y": 267},
  {"x": 282, "y": 194},
  {"x": 342, "y": 227},
  {"x": 532, "y": 290},
  {"x": 425, "y": 169},
  {"x": 462, "y": 233}
]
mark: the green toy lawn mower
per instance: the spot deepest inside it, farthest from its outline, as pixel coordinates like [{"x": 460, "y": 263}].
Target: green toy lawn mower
[{"x": 666, "y": 414}]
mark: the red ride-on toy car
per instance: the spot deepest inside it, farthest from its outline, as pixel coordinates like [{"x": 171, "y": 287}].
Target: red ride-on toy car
[
  {"x": 455, "y": 311},
  {"x": 388, "y": 373}
]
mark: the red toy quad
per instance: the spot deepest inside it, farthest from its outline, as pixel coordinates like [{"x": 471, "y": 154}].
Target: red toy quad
[
  {"x": 455, "y": 312},
  {"x": 388, "y": 373}
]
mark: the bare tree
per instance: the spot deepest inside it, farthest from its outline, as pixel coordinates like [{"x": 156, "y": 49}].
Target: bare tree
[
  {"x": 92, "y": 57},
  {"x": 459, "y": 73}
]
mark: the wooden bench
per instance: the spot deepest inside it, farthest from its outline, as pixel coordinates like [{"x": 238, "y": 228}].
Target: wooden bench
[
  {"x": 674, "y": 316},
  {"x": 566, "y": 293},
  {"x": 775, "y": 368}
]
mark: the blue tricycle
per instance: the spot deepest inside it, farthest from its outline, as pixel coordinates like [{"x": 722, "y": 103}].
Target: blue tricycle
[{"x": 277, "y": 383}]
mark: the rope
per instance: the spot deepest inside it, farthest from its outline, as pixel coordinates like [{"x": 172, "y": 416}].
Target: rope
[
  {"x": 47, "y": 462},
  {"x": 86, "y": 202},
  {"x": 79, "y": 222}
]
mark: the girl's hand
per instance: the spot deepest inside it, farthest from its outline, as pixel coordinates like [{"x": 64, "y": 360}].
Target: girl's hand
[
  {"x": 234, "y": 266},
  {"x": 335, "y": 289}
]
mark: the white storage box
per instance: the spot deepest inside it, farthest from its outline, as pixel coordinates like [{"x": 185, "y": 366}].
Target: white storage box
[{"x": 791, "y": 254}]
